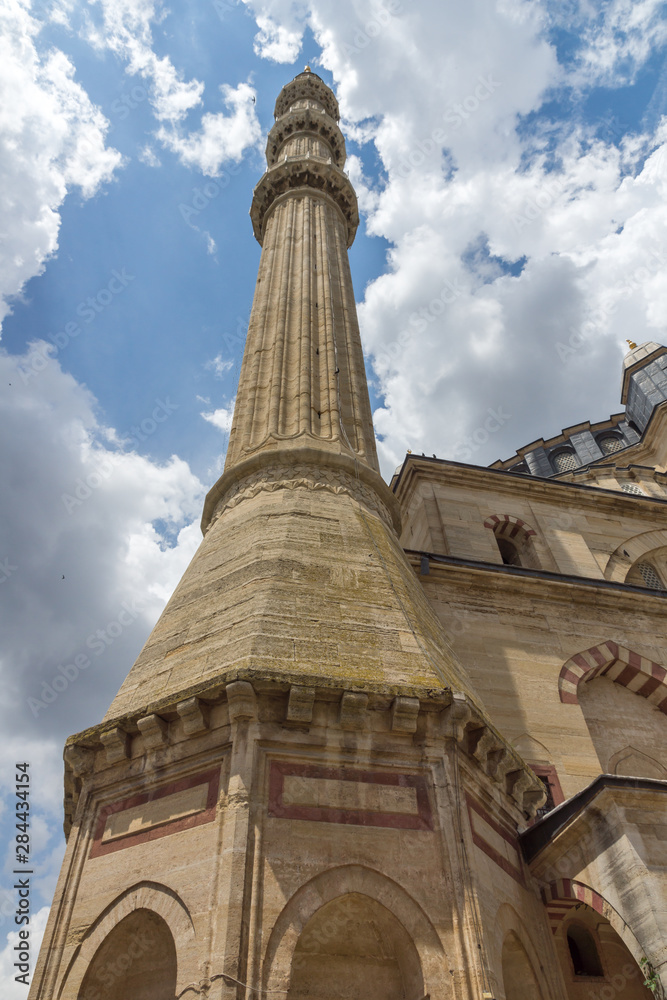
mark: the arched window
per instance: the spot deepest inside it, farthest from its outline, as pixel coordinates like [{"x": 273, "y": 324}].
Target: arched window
[
  {"x": 583, "y": 951},
  {"x": 565, "y": 460},
  {"x": 610, "y": 443},
  {"x": 508, "y": 552},
  {"x": 631, "y": 488},
  {"x": 514, "y": 539}
]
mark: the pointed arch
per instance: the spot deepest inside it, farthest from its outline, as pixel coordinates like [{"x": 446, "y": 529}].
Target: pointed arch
[
  {"x": 508, "y": 924},
  {"x": 632, "y": 550},
  {"x": 156, "y": 898},
  {"x": 340, "y": 881},
  {"x": 647, "y": 763},
  {"x": 509, "y": 525},
  {"x": 563, "y": 895},
  {"x": 641, "y": 675}
]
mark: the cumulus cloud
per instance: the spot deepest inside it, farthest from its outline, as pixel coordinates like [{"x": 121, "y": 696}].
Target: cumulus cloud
[
  {"x": 94, "y": 540},
  {"x": 52, "y": 139},
  {"x": 221, "y": 418},
  {"x": 11, "y": 989},
  {"x": 524, "y": 247},
  {"x": 126, "y": 30},
  {"x": 219, "y": 365},
  {"x": 221, "y": 138},
  {"x": 279, "y": 42}
]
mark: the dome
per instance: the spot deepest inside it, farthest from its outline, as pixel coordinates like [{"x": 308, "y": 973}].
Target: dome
[
  {"x": 640, "y": 352},
  {"x": 637, "y": 357}
]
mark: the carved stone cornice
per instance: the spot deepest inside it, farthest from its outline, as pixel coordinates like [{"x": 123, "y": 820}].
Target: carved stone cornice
[
  {"x": 306, "y": 86},
  {"x": 307, "y": 121},
  {"x": 301, "y": 476},
  {"x": 313, "y": 175}
]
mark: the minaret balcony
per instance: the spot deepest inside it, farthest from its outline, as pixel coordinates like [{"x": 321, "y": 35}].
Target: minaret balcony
[
  {"x": 306, "y": 175},
  {"x": 313, "y": 123}
]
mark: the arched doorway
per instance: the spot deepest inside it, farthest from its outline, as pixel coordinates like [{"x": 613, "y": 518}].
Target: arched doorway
[
  {"x": 351, "y": 947},
  {"x": 137, "y": 959},
  {"x": 519, "y": 979}
]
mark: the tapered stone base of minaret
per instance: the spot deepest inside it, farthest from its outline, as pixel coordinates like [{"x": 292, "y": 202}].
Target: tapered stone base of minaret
[{"x": 301, "y": 574}]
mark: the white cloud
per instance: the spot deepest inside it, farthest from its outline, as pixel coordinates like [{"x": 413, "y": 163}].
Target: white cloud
[
  {"x": 279, "y": 42},
  {"x": 52, "y": 138},
  {"x": 617, "y": 38},
  {"x": 505, "y": 241},
  {"x": 222, "y": 418},
  {"x": 219, "y": 365},
  {"x": 148, "y": 156},
  {"x": 89, "y": 530},
  {"x": 221, "y": 138},
  {"x": 11, "y": 989},
  {"x": 126, "y": 31}
]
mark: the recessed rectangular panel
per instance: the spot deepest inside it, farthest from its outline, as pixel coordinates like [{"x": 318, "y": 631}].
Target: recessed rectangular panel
[
  {"x": 346, "y": 795},
  {"x": 156, "y": 812},
  {"x": 168, "y": 809}
]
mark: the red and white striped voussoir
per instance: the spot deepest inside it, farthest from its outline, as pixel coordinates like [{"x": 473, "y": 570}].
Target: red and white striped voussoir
[
  {"x": 619, "y": 664},
  {"x": 561, "y": 896},
  {"x": 496, "y": 520}
]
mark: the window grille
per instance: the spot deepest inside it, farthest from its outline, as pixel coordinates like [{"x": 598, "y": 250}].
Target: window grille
[
  {"x": 610, "y": 444},
  {"x": 650, "y": 576},
  {"x": 631, "y": 488},
  {"x": 565, "y": 461}
]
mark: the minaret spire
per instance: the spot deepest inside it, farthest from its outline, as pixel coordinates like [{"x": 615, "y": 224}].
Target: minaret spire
[{"x": 303, "y": 382}]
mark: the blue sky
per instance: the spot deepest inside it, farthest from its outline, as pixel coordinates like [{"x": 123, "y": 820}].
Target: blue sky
[{"x": 510, "y": 160}]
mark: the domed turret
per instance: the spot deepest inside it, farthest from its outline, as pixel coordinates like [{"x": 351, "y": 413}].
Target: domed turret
[{"x": 644, "y": 381}]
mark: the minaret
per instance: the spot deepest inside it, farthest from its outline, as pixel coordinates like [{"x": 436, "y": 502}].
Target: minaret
[
  {"x": 303, "y": 383},
  {"x": 274, "y": 801}
]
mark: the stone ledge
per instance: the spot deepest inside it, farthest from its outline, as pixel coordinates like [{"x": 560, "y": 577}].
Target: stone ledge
[{"x": 458, "y": 719}]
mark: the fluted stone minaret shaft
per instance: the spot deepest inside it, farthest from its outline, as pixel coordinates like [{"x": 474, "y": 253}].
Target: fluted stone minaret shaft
[{"x": 303, "y": 381}]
